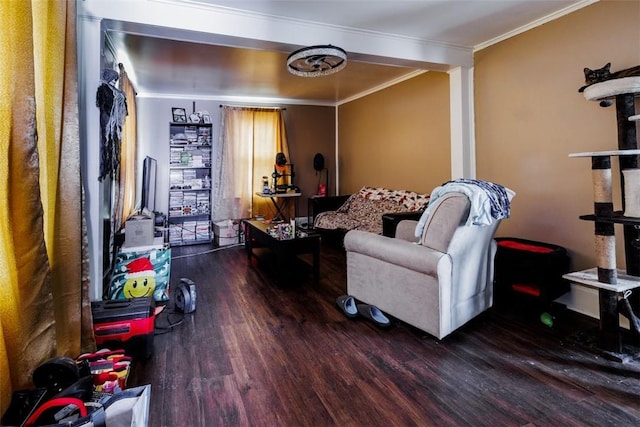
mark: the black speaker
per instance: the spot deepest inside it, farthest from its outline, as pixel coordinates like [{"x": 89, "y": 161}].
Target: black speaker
[
  {"x": 318, "y": 162},
  {"x": 281, "y": 159},
  {"x": 56, "y": 374},
  {"x": 186, "y": 296}
]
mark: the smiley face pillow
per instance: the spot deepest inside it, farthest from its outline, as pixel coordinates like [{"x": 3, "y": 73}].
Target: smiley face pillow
[
  {"x": 141, "y": 274},
  {"x": 140, "y": 279}
]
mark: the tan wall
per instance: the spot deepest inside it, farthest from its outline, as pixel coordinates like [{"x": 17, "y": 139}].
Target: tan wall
[
  {"x": 397, "y": 138},
  {"x": 530, "y": 116},
  {"x": 311, "y": 130}
]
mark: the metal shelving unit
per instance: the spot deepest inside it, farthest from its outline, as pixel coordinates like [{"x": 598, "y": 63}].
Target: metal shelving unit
[{"x": 189, "y": 217}]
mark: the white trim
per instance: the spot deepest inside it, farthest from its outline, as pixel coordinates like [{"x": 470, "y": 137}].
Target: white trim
[
  {"x": 122, "y": 57},
  {"x": 462, "y": 123},
  {"x": 337, "y": 148},
  {"x": 224, "y": 26},
  {"x": 234, "y": 99},
  {"x": 553, "y": 16},
  {"x": 581, "y": 299},
  {"x": 382, "y": 86},
  {"x": 90, "y": 43}
]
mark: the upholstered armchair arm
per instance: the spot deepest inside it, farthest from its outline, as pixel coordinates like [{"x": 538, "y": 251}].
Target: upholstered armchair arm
[
  {"x": 406, "y": 230},
  {"x": 395, "y": 251}
]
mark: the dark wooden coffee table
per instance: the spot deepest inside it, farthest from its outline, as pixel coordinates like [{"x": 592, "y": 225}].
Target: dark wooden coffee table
[{"x": 285, "y": 251}]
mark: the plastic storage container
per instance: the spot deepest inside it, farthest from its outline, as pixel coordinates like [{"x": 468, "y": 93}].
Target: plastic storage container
[
  {"x": 529, "y": 272},
  {"x": 125, "y": 324}
]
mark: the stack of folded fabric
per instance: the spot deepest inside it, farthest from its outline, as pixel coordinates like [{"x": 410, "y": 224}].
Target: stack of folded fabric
[{"x": 109, "y": 369}]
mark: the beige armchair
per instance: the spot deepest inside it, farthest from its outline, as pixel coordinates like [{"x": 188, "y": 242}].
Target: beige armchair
[{"x": 436, "y": 282}]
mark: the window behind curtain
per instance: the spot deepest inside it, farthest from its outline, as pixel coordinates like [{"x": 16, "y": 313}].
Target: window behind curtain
[{"x": 246, "y": 150}]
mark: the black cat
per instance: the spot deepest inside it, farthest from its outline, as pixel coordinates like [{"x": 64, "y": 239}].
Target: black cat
[{"x": 603, "y": 74}]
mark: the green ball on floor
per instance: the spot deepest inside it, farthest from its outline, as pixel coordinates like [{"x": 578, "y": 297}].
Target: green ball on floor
[{"x": 547, "y": 319}]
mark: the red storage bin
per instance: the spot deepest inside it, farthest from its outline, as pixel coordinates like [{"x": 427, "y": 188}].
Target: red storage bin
[
  {"x": 530, "y": 271},
  {"x": 128, "y": 324}
]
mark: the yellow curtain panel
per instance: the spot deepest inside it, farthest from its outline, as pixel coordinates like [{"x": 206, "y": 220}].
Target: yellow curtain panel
[
  {"x": 251, "y": 137},
  {"x": 24, "y": 273},
  {"x": 44, "y": 308},
  {"x": 128, "y": 159},
  {"x": 269, "y": 138}
]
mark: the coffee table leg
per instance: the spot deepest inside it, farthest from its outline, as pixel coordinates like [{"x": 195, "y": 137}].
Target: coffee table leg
[
  {"x": 316, "y": 263},
  {"x": 247, "y": 242},
  {"x": 281, "y": 265}
]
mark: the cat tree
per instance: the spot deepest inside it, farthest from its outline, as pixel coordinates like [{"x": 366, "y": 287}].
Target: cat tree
[{"x": 611, "y": 282}]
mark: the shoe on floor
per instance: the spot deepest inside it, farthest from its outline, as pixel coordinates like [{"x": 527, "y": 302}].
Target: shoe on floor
[
  {"x": 374, "y": 314},
  {"x": 348, "y": 305}
]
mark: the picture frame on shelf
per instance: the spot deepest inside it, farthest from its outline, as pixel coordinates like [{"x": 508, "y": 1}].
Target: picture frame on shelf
[
  {"x": 179, "y": 115},
  {"x": 206, "y": 118}
]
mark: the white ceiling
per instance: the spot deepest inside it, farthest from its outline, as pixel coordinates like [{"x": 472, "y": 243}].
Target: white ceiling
[{"x": 429, "y": 35}]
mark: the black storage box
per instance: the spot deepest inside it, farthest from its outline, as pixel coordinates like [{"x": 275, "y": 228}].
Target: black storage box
[
  {"x": 529, "y": 271},
  {"x": 127, "y": 324}
]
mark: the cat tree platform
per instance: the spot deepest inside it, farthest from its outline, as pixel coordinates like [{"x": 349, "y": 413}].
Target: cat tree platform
[{"x": 612, "y": 88}]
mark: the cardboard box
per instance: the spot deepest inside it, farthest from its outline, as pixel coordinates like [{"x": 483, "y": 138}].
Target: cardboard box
[
  {"x": 158, "y": 243},
  {"x": 139, "y": 231},
  {"x": 226, "y": 228},
  {"x": 226, "y": 232},
  {"x": 225, "y": 241}
]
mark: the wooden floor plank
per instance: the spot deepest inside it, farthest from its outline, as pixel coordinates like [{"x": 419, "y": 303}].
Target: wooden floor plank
[{"x": 263, "y": 353}]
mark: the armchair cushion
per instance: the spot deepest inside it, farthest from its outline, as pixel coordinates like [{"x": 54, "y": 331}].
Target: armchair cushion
[
  {"x": 443, "y": 220},
  {"x": 406, "y": 230}
]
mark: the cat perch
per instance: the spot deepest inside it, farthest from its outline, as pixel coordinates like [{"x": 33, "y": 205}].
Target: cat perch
[
  {"x": 612, "y": 88},
  {"x": 603, "y": 85}
]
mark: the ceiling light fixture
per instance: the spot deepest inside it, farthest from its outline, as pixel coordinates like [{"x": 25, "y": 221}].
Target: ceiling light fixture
[{"x": 316, "y": 61}]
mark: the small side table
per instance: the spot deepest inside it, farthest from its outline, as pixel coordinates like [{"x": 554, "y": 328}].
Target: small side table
[{"x": 280, "y": 202}]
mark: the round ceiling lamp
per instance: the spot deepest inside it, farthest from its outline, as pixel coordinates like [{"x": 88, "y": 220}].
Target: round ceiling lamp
[{"x": 316, "y": 61}]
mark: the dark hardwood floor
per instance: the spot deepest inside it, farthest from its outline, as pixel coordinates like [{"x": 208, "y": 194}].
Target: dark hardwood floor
[{"x": 259, "y": 353}]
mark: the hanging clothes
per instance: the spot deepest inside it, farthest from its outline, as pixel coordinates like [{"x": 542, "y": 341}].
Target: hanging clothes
[{"x": 112, "y": 103}]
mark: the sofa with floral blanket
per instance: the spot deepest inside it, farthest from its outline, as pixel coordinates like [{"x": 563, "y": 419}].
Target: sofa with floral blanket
[{"x": 365, "y": 209}]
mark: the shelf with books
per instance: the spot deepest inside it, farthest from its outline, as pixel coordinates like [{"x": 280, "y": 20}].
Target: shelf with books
[{"x": 189, "y": 214}]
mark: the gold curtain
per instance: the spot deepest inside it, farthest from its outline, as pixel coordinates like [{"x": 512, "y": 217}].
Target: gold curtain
[
  {"x": 125, "y": 204},
  {"x": 45, "y": 307},
  {"x": 250, "y": 139}
]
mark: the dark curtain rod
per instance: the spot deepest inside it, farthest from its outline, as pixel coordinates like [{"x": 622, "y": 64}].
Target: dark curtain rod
[{"x": 257, "y": 108}]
